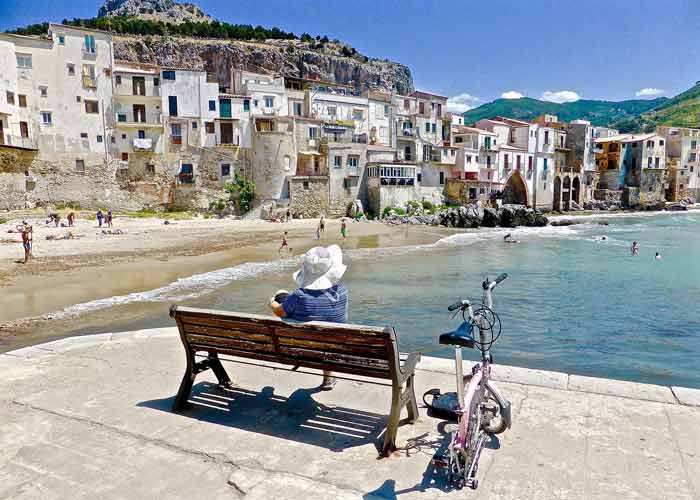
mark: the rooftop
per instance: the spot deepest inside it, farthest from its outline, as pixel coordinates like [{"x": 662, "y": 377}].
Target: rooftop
[
  {"x": 626, "y": 138},
  {"x": 90, "y": 417}
]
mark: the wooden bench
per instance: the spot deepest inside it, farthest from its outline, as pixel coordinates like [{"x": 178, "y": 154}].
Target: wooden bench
[{"x": 341, "y": 348}]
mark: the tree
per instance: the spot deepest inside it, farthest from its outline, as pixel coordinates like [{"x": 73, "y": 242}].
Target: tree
[{"x": 242, "y": 192}]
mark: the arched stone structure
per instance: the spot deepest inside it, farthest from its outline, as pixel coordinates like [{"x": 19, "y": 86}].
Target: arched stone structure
[
  {"x": 576, "y": 190},
  {"x": 515, "y": 190},
  {"x": 556, "y": 200}
]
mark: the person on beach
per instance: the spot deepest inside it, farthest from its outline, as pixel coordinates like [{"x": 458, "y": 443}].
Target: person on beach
[
  {"x": 343, "y": 229},
  {"x": 285, "y": 244},
  {"x": 289, "y": 215},
  {"x": 322, "y": 223},
  {"x": 318, "y": 232},
  {"x": 109, "y": 218},
  {"x": 71, "y": 219},
  {"x": 635, "y": 248},
  {"x": 320, "y": 296},
  {"x": 99, "y": 218},
  {"x": 27, "y": 239}
]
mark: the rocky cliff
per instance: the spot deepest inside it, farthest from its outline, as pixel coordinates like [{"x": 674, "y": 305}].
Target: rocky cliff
[
  {"x": 293, "y": 58},
  {"x": 167, "y": 11}
]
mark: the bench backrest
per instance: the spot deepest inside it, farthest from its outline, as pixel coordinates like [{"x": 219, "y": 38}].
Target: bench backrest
[{"x": 346, "y": 348}]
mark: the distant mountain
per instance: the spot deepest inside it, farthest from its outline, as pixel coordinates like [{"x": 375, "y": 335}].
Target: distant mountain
[
  {"x": 601, "y": 113},
  {"x": 681, "y": 111}
]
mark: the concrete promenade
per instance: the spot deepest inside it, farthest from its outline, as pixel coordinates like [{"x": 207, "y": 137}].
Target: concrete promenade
[{"x": 89, "y": 418}]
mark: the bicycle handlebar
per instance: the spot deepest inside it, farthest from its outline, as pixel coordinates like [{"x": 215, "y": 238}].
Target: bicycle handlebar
[{"x": 458, "y": 305}]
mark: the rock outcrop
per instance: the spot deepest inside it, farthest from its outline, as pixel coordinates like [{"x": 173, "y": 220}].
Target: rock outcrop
[
  {"x": 473, "y": 216},
  {"x": 292, "y": 58},
  {"x": 167, "y": 11}
]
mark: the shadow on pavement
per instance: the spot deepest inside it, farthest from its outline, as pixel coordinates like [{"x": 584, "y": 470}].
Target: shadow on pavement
[{"x": 297, "y": 418}]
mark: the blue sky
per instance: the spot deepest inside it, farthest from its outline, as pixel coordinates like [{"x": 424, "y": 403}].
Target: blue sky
[{"x": 479, "y": 50}]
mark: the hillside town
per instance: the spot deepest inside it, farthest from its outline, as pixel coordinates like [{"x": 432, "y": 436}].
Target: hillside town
[{"x": 79, "y": 128}]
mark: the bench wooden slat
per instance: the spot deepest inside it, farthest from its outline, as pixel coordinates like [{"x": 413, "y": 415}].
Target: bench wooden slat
[
  {"x": 224, "y": 333},
  {"x": 226, "y": 323},
  {"x": 332, "y": 347},
  {"x": 238, "y": 343},
  {"x": 338, "y": 337}
]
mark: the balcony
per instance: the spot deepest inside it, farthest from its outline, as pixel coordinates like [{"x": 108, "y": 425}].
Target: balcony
[
  {"x": 18, "y": 141},
  {"x": 185, "y": 178},
  {"x": 89, "y": 53},
  {"x": 408, "y": 132},
  {"x": 124, "y": 91},
  {"x": 89, "y": 82},
  {"x": 344, "y": 139},
  {"x": 131, "y": 119},
  {"x": 142, "y": 144}
]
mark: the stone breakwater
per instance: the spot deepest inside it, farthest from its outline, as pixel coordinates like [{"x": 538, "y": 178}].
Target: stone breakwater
[{"x": 473, "y": 216}]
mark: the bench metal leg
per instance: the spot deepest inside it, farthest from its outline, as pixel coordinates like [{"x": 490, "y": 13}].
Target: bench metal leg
[
  {"x": 409, "y": 397},
  {"x": 183, "y": 394},
  {"x": 393, "y": 422},
  {"x": 219, "y": 370}
]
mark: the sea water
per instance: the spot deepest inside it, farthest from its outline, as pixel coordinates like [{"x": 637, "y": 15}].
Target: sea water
[{"x": 573, "y": 302}]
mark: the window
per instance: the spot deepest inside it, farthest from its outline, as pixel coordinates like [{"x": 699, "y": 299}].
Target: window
[
  {"x": 296, "y": 108},
  {"x": 383, "y": 133},
  {"x": 386, "y": 109},
  {"x": 24, "y": 61},
  {"x": 269, "y": 101},
  {"x": 255, "y": 103},
  {"x": 10, "y": 97},
  {"x": 46, "y": 118},
  {"x": 22, "y": 100},
  {"x": 209, "y": 127},
  {"x": 544, "y": 167},
  {"x": 212, "y": 105},
  {"x": 121, "y": 117},
  {"x": 91, "y": 106},
  {"x": 305, "y": 185},
  {"x": 661, "y": 143},
  {"x": 78, "y": 99},
  {"x": 358, "y": 115},
  {"x": 99, "y": 138},
  {"x": 83, "y": 135},
  {"x": 649, "y": 162},
  {"x": 469, "y": 158},
  {"x": 176, "y": 131},
  {"x": 692, "y": 157},
  {"x": 656, "y": 162},
  {"x": 80, "y": 166},
  {"x": 353, "y": 161},
  {"x": 112, "y": 139},
  {"x": 89, "y": 47},
  {"x": 24, "y": 130},
  {"x": 332, "y": 111},
  {"x": 61, "y": 39},
  {"x": 313, "y": 132},
  {"x": 124, "y": 136},
  {"x": 378, "y": 111},
  {"x": 650, "y": 144},
  {"x": 693, "y": 144},
  {"x": 421, "y": 107},
  {"x": 546, "y": 137},
  {"x": 168, "y": 74},
  {"x": 419, "y": 176},
  {"x": 529, "y": 162},
  {"x": 141, "y": 134},
  {"x": 246, "y": 105},
  {"x": 442, "y": 177},
  {"x": 125, "y": 156},
  {"x": 427, "y": 128},
  {"x": 434, "y": 128},
  {"x": 225, "y": 169},
  {"x": 43, "y": 91},
  {"x": 337, "y": 161},
  {"x": 194, "y": 125},
  {"x": 172, "y": 105},
  {"x": 150, "y": 169},
  {"x": 71, "y": 69},
  {"x": 287, "y": 163}
]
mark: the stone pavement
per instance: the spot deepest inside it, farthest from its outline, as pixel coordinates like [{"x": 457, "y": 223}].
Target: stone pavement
[{"x": 89, "y": 418}]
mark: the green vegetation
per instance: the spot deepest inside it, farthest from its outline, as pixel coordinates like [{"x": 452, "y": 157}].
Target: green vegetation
[
  {"x": 396, "y": 210},
  {"x": 71, "y": 205},
  {"x": 601, "y": 113},
  {"x": 136, "y": 26},
  {"x": 681, "y": 111},
  {"x": 148, "y": 212},
  {"x": 4, "y": 220},
  {"x": 242, "y": 192}
]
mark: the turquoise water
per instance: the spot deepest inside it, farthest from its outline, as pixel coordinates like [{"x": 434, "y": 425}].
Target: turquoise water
[{"x": 572, "y": 303}]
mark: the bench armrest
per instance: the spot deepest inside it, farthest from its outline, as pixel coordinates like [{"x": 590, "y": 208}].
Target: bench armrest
[{"x": 409, "y": 366}]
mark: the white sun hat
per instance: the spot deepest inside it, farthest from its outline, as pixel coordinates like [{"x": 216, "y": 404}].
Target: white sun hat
[{"x": 320, "y": 268}]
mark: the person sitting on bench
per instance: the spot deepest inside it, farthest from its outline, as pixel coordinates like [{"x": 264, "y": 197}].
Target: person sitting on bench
[{"x": 320, "y": 296}]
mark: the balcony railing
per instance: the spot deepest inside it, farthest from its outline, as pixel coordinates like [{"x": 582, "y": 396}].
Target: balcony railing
[
  {"x": 90, "y": 54},
  {"x": 18, "y": 141},
  {"x": 344, "y": 138},
  {"x": 145, "y": 144},
  {"x": 185, "y": 178},
  {"x": 149, "y": 118},
  {"x": 138, "y": 92}
]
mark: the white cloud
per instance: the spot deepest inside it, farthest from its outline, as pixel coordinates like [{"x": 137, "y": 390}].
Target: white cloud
[
  {"x": 461, "y": 103},
  {"x": 650, "y": 92},
  {"x": 560, "y": 96},
  {"x": 511, "y": 94}
]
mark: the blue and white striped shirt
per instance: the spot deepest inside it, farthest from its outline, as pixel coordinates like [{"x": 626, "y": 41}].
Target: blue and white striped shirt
[{"x": 318, "y": 305}]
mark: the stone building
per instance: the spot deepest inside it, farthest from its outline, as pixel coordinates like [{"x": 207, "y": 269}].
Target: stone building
[{"x": 683, "y": 159}]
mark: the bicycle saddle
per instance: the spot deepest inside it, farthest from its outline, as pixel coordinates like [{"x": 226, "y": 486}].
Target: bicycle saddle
[{"x": 461, "y": 337}]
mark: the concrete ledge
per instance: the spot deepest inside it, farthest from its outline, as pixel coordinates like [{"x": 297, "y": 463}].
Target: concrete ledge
[
  {"x": 621, "y": 388},
  {"x": 501, "y": 373},
  {"x": 687, "y": 396}
]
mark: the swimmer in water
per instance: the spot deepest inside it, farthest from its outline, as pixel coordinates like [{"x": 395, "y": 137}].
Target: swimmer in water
[
  {"x": 657, "y": 256},
  {"x": 635, "y": 248},
  {"x": 603, "y": 238},
  {"x": 509, "y": 239}
]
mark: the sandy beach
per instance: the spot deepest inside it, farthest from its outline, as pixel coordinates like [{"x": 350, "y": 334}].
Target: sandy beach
[{"x": 149, "y": 254}]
